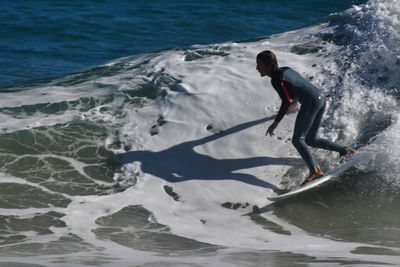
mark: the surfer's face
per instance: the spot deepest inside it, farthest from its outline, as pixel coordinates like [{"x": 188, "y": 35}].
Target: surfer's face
[{"x": 265, "y": 69}]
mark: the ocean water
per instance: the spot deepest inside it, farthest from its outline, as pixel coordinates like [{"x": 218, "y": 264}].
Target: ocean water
[
  {"x": 133, "y": 134},
  {"x": 45, "y": 39}
]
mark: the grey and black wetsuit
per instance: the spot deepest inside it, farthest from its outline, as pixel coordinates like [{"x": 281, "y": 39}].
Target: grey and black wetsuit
[{"x": 292, "y": 87}]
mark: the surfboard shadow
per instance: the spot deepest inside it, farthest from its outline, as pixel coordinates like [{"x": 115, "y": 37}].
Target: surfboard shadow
[{"x": 182, "y": 163}]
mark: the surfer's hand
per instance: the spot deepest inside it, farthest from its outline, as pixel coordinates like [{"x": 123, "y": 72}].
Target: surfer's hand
[{"x": 271, "y": 128}]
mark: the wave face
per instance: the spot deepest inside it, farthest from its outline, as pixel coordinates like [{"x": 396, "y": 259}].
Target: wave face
[{"x": 161, "y": 158}]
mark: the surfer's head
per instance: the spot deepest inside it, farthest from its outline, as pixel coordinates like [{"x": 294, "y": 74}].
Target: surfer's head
[{"x": 266, "y": 63}]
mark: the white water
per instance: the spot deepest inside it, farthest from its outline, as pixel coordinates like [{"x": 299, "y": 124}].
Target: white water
[{"x": 241, "y": 165}]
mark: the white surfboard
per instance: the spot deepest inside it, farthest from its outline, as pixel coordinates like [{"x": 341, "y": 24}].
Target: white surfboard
[{"x": 308, "y": 186}]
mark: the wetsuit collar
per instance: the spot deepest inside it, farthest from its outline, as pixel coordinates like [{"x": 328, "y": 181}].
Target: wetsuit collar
[{"x": 275, "y": 72}]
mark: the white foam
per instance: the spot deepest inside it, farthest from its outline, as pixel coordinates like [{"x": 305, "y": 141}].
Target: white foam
[
  {"x": 224, "y": 92},
  {"x": 227, "y": 92}
]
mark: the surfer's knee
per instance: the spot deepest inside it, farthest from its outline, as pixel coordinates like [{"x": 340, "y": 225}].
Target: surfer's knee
[
  {"x": 298, "y": 141},
  {"x": 311, "y": 141}
]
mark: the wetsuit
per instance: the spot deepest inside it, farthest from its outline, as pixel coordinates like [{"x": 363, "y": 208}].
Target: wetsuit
[{"x": 292, "y": 87}]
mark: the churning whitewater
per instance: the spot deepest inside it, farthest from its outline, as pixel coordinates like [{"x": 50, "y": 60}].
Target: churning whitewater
[{"x": 161, "y": 159}]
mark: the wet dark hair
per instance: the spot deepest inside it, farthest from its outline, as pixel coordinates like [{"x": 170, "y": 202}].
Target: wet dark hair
[{"x": 267, "y": 57}]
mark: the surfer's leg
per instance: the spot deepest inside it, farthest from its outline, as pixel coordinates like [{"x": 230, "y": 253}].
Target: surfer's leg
[
  {"x": 314, "y": 174},
  {"x": 312, "y": 138},
  {"x": 304, "y": 121}
]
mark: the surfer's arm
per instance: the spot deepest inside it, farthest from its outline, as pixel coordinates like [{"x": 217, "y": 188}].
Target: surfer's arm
[
  {"x": 281, "y": 113},
  {"x": 272, "y": 128}
]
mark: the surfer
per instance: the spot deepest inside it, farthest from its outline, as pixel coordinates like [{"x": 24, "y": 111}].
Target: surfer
[{"x": 294, "y": 89}]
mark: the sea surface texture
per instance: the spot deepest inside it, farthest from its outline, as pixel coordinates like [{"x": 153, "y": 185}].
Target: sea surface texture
[{"x": 132, "y": 133}]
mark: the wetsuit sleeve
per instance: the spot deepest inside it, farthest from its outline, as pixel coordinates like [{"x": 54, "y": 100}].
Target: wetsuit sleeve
[
  {"x": 286, "y": 101},
  {"x": 282, "y": 110}
]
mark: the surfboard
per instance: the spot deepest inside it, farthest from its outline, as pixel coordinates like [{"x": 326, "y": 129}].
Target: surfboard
[{"x": 329, "y": 176}]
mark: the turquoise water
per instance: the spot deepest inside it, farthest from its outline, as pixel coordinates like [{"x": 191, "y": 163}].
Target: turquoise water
[{"x": 42, "y": 39}]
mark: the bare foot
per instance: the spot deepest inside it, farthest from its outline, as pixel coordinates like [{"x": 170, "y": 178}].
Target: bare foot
[
  {"x": 349, "y": 151},
  {"x": 315, "y": 174}
]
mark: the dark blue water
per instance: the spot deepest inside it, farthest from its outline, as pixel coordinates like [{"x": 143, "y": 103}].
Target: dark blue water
[{"x": 41, "y": 39}]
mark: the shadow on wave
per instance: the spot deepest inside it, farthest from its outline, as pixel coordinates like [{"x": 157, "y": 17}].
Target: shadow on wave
[{"x": 182, "y": 163}]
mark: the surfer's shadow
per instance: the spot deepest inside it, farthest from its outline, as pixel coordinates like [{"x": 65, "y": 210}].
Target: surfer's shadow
[{"x": 182, "y": 163}]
